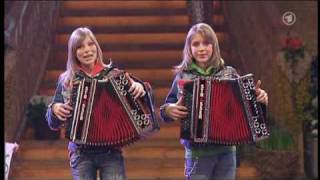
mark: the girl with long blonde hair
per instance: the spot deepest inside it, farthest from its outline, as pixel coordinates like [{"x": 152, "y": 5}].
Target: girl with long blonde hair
[
  {"x": 201, "y": 57},
  {"x": 85, "y": 56}
]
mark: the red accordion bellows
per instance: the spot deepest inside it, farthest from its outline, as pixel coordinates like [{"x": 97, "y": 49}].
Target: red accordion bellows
[
  {"x": 222, "y": 111},
  {"x": 105, "y": 113},
  {"x": 227, "y": 117},
  {"x": 108, "y": 114}
]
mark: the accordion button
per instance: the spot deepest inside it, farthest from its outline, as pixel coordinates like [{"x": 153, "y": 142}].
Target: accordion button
[
  {"x": 137, "y": 117},
  {"x": 139, "y": 123},
  {"x": 146, "y": 122},
  {"x": 124, "y": 82},
  {"x": 262, "y": 126},
  {"x": 258, "y": 131}
]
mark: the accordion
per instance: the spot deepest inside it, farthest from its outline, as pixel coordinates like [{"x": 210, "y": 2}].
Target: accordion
[
  {"x": 106, "y": 114},
  {"x": 223, "y": 111}
]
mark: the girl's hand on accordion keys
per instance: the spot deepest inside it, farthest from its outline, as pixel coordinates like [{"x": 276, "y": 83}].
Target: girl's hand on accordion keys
[
  {"x": 62, "y": 110},
  {"x": 262, "y": 96},
  {"x": 176, "y": 111},
  {"x": 137, "y": 90}
]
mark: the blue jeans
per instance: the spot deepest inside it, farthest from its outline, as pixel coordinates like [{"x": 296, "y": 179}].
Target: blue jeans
[
  {"x": 215, "y": 167},
  {"x": 85, "y": 164}
]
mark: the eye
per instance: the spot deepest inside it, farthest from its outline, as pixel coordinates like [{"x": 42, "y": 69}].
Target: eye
[
  {"x": 91, "y": 43},
  {"x": 80, "y": 46},
  {"x": 206, "y": 43},
  {"x": 195, "y": 44}
]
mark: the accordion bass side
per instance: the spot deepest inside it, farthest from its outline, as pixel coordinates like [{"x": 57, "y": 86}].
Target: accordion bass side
[
  {"x": 105, "y": 113},
  {"x": 222, "y": 111}
]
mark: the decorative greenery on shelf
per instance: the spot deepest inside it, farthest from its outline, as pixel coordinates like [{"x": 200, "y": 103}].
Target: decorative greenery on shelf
[
  {"x": 36, "y": 111},
  {"x": 37, "y": 106}
]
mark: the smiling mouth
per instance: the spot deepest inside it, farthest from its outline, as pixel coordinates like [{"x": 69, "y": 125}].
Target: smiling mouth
[{"x": 88, "y": 56}]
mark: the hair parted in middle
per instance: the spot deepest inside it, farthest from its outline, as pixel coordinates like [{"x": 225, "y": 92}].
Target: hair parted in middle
[
  {"x": 73, "y": 64},
  {"x": 207, "y": 33}
]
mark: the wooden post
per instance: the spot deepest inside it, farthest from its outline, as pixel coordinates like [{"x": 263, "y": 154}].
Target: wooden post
[{"x": 200, "y": 11}]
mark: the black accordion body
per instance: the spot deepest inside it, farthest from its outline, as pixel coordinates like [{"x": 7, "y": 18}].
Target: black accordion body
[
  {"x": 222, "y": 111},
  {"x": 105, "y": 113}
]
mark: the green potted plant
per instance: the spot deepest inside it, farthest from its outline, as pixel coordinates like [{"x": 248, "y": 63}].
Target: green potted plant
[{"x": 36, "y": 111}]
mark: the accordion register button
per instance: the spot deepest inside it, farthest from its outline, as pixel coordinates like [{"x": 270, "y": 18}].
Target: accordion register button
[
  {"x": 264, "y": 132},
  {"x": 258, "y": 130}
]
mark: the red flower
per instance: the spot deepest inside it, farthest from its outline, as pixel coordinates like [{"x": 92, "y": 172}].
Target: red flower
[
  {"x": 293, "y": 48},
  {"x": 293, "y": 43}
]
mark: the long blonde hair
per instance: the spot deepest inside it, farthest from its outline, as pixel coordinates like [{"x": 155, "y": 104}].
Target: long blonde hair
[
  {"x": 73, "y": 64},
  {"x": 208, "y": 33}
]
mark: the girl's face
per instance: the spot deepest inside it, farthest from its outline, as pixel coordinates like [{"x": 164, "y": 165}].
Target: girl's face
[
  {"x": 87, "y": 52},
  {"x": 201, "y": 50}
]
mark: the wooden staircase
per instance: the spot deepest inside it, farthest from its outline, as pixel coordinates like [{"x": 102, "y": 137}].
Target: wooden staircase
[
  {"x": 158, "y": 157},
  {"x": 145, "y": 38}
]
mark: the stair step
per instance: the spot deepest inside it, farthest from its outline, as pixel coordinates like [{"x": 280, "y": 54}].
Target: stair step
[
  {"x": 137, "y": 42},
  {"x": 124, "y": 9},
  {"x": 148, "y": 75},
  {"x": 133, "y": 172},
  {"x": 159, "y": 96},
  {"x": 106, "y": 5},
  {"x": 160, "y": 93},
  {"x": 125, "y": 12},
  {"x": 132, "y": 29},
  {"x": 163, "y": 161},
  {"x": 151, "y": 63},
  {"x": 124, "y": 20},
  {"x": 130, "y": 163},
  {"x": 62, "y": 39},
  {"x": 132, "y": 46},
  {"x": 140, "y": 175},
  {"x": 176, "y": 151},
  {"x": 134, "y": 38},
  {"x": 166, "y": 136},
  {"x": 130, "y": 59},
  {"x": 160, "y": 80},
  {"x": 135, "y": 168},
  {"x": 110, "y": 21}
]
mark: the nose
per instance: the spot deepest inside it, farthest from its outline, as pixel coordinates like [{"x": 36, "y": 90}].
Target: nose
[
  {"x": 86, "y": 48},
  {"x": 202, "y": 46}
]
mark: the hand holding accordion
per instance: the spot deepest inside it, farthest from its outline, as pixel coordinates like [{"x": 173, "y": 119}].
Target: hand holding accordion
[
  {"x": 222, "y": 111},
  {"x": 106, "y": 113}
]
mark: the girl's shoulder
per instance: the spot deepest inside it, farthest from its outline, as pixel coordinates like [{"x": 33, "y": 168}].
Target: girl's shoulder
[
  {"x": 107, "y": 71},
  {"x": 227, "y": 72},
  {"x": 186, "y": 74}
]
